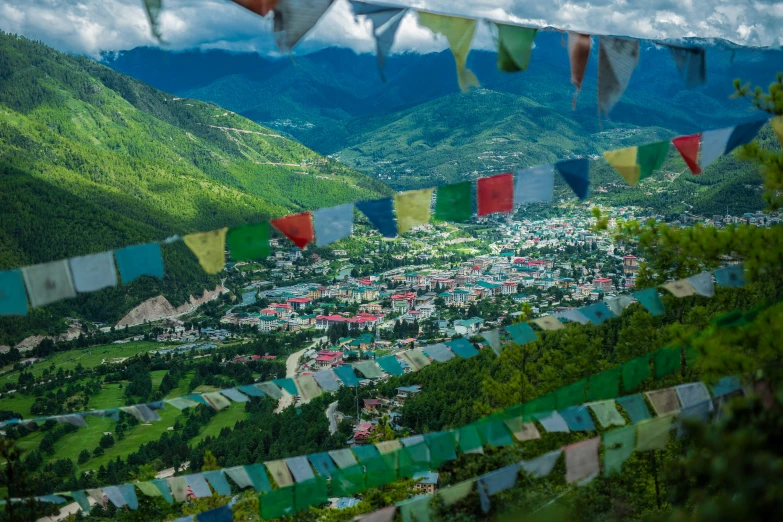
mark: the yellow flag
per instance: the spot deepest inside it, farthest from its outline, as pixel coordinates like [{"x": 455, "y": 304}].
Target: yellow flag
[
  {"x": 413, "y": 209},
  {"x": 624, "y": 162},
  {"x": 777, "y": 126},
  {"x": 459, "y": 33},
  {"x": 209, "y": 248}
]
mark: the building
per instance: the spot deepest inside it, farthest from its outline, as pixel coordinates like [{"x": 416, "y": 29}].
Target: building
[
  {"x": 404, "y": 392},
  {"x": 468, "y": 326},
  {"x": 371, "y": 405},
  {"x": 267, "y": 323},
  {"x": 299, "y": 303},
  {"x": 603, "y": 284},
  {"x": 630, "y": 265},
  {"x": 427, "y": 482}
]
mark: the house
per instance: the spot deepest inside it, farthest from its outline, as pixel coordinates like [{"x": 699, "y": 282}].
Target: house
[
  {"x": 327, "y": 360},
  {"x": 267, "y": 323},
  {"x": 602, "y": 284},
  {"x": 299, "y": 303},
  {"x": 404, "y": 392},
  {"x": 509, "y": 288},
  {"x": 630, "y": 265},
  {"x": 468, "y": 326},
  {"x": 371, "y": 405},
  {"x": 427, "y": 482}
]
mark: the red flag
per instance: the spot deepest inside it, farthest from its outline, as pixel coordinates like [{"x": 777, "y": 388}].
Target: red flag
[
  {"x": 298, "y": 228},
  {"x": 496, "y": 194},
  {"x": 688, "y": 147},
  {"x": 260, "y": 7}
]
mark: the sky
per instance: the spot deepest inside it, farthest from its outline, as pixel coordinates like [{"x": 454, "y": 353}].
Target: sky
[{"x": 91, "y": 27}]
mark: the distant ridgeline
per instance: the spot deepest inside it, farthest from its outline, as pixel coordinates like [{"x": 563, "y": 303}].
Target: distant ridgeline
[{"x": 92, "y": 160}]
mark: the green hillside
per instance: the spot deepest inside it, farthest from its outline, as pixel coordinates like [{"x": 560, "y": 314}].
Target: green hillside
[{"x": 91, "y": 159}]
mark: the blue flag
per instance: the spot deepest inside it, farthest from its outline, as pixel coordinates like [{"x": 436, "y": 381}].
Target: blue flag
[
  {"x": 743, "y": 134},
  {"x": 221, "y": 514},
  {"x": 13, "y": 299},
  {"x": 576, "y": 173},
  {"x": 333, "y": 223},
  {"x": 732, "y": 276},
  {"x": 380, "y": 212},
  {"x": 139, "y": 260},
  {"x": 597, "y": 313}
]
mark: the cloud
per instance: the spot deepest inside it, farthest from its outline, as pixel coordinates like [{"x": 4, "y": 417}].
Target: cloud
[{"x": 93, "y": 26}]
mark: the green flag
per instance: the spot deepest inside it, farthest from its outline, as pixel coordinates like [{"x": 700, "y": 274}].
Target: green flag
[
  {"x": 454, "y": 202},
  {"x": 310, "y": 493},
  {"x": 571, "y": 395},
  {"x": 666, "y": 362},
  {"x": 605, "y": 385},
  {"x": 618, "y": 446},
  {"x": 651, "y": 157},
  {"x": 277, "y": 503},
  {"x": 514, "y": 47},
  {"x": 249, "y": 242},
  {"x": 635, "y": 372}
]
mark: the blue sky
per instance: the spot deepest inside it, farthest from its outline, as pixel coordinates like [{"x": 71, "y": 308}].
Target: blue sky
[{"x": 92, "y": 26}]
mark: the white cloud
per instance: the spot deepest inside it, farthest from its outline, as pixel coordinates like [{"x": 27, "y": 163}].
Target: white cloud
[{"x": 92, "y": 26}]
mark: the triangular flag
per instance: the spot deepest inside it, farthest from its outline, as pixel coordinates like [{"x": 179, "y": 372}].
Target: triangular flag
[
  {"x": 521, "y": 333},
  {"x": 743, "y": 134},
  {"x": 653, "y": 434},
  {"x": 597, "y": 313},
  {"x": 688, "y": 147},
  {"x": 48, "y": 282},
  {"x": 153, "y": 8},
  {"x": 542, "y": 466},
  {"x": 579, "y": 46},
  {"x": 702, "y": 283},
  {"x": 139, "y": 260},
  {"x": 298, "y": 228},
  {"x": 294, "y": 19},
  {"x": 651, "y": 157},
  {"x": 576, "y": 173},
  {"x": 454, "y": 202},
  {"x": 13, "y": 299},
  {"x": 650, "y": 299},
  {"x": 413, "y": 209},
  {"x": 380, "y": 212},
  {"x": 681, "y": 288},
  {"x": 548, "y": 322},
  {"x": 333, "y": 224},
  {"x": 777, "y": 126},
  {"x": 618, "y": 304},
  {"x": 459, "y": 33},
  {"x": 582, "y": 459},
  {"x": 493, "y": 339},
  {"x": 690, "y": 61},
  {"x": 495, "y": 194},
  {"x": 617, "y": 58},
  {"x": 249, "y": 242},
  {"x": 713, "y": 145},
  {"x": 534, "y": 184},
  {"x": 624, "y": 162},
  {"x": 385, "y": 22},
  {"x": 209, "y": 248},
  {"x": 514, "y": 46},
  {"x": 259, "y": 7}
]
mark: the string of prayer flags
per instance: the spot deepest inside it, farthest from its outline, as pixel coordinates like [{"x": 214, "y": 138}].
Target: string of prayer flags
[
  {"x": 522, "y": 333},
  {"x": 298, "y": 228},
  {"x": 294, "y": 19},
  {"x": 495, "y": 194},
  {"x": 13, "y": 299},
  {"x": 617, "y": 58},
  {"x": 638, "y": 163},
  {"x": 412, "y": 209},
  {"x": 94, "y": 272},
  {"x": 582, "y": 459},
  {"x": 576, "y": 173},
  {"x": 690, "y": 62},
  {"x": 333, "y": 224},
  {"x": 139, "y": 260},
  {"x": 732, "y": 276},
  {"x": 380, "y": 212},
  {"x": 454, "y": 202},
  {"x": 459, "y": 33},
  {"x": 249, "y": 242},
  {"x": 48, "y": 282},
  {"x": 716, "y": 143},
  {"x": 534, "y": 184},
  {"x": 688, "y": 147},
  {"x": 681, "y": 288},
  {"x": 260, "y": 7},
  {"x": 385, "y": 22},
  {"x": 579, "y": 46},
  {"x": 650, "y": 300},
  {"x": 515, "y": 45},
  {"x": 209, "y": 248}
]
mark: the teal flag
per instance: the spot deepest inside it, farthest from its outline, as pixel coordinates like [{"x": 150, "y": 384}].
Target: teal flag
[
  {"x": 521, "y": 333},
  {"x": 13, "y": 299},
  {"x": 635, "y": 407},
  {"x": 139, "y": 260},
  {"x": 287, "y": 384},
  {"x": 390, "y": 365},
  {"x": 618, "y": 446},
  {"x": 462, "y": 347},
  {"x": 732, "y": 276},
  {"x": 650, "y": 300},
  {"x": 347, "y": 375}
]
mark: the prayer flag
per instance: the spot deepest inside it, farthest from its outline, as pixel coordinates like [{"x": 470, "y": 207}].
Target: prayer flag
[
  {"x": 514, "y": 47},
  {"x": 462, "y": 347},
  {"x": 713, "y": 145},
  {"x": 348, "y": 481},
  {"x": 638, "y": 163},
  {"x": 573, "y": 315},
  {"x": 198, "y": 485},
  {"x": 459, "y": 33},
  {"x": 415, "y": 359},
  {"x": 605, "y": 385},
  {"x": 298, "y": 228},
  {"x": 617, "y": 58},
  {"x": 597, "y": 313},
  {"x": 307, "y": 387},
  {"x": 13, "y": 299},
  {"x": 542, "y": 466},
  {"x": 333, "y": 224},
  {"x": 777, "y": 126},
  {"x": 495, "y": 433},
  {"x": 162, "y": 486},
  {"x": 278, "y": 502},
  {"x": 624, "y": 162},
  {"x": 416, "y": 509},
  {"x": 252, "y": 390},
  {"x": 209, "y": 248},
  {"x": 294, "y": 19},
  {"x": 153, "y": 8},
  {"x": 369, "y": 369},
  {"x": 618, "y": 446},
  {"x": 454, "y": 202},
  {"x": 495, "y": 194},
  {"x": 743, "y": 134},
  {"x": 235, "y": 395},
  {"x": 607, "y": 414},
  {"x": 139, "y": 260},
  {"x": 218, "y": 481},
  {"x": 694, "y": 394},
  {"x": 322, "y": 463},
  {"x": 576, "y": 173},
  {"x": 650, "y": 300},
  {"x": 310, "y": 493},
  {"x": 522, "y": 430},
  {"x": 579, "y": 46},
  {"x": 702, "y": 283},
  {"x": 732, "y": 276},
  {"x": 413, "y": 209},
  {"x": 439, "y": 352},
  {"x": 346, "y": 374},
  {"x": 259, "y": 7},
  {"x": 578, "y": 418},
  {"x": 92, "y": 273},
  {"x": 380, "y": 212},
  {"x": 500, "y": 480},
  {"x": 635, "y": 407},
  {"x": 653, "y": 434},
  {"x": 249, "y": 242},
  {"x": 663, "y": 401},
  {"x": 327, "y": 379},
  {"x": 691, "y": 62},
  {"x": 521, "y": 333},
  {"x": 548, "y": 322},
  {"x": 543, "y": 404},
  {"x": 343, "y": 458},
  {"x": 48, "y": 282},
  {"x": 385, "y": 22},
  {"x": 470, "y": 440},
  {"x": 286, "y": 384},
  {"x": 221, "y": 514},
  {"x": 571, "y": 395},
  {"x": 442, "y": 447},
  {"x": 252, "y": 475},
  {"x": 453, "y": 494},
  {"x": 635, "y": 372},
  {"x": 382, "y": 515},
  {"x": 270, "y": 389},
  {"x": 390, "y": 365},
  {"x": 534, "y": 184},
  {"x": 726, "y": 385},
  {"x": 582, "y": 459},
  {"x": 81, "y": 498},
  {"x": 688, "y": 147},
  {"x": 552, "y": 422},
  {"x": 114, "y": 494},
  {"x": 388, "y": 446},
  {"x": 216, "y": 400},
  {"x": 666, "y": 361},
  {"x": 493, "y": 339},
  {"x": 141, "y": 412},
  {"x": 618, "y": 304},
  {"x": 300, "y": 469},
  {"x": 279, "y": 472},
  {"x": 179, "y": 488},
  {"x": 681, "y": 288}
]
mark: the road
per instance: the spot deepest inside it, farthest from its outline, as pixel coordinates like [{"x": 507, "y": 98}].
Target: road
[
  {"x": 330, "y": 415},
  {"x": 291, "y": 364}
]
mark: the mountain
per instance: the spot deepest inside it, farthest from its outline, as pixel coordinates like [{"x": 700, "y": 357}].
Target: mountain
[
  {"x": 91, "y": 159},
  {"x": 418, "y": 130}
]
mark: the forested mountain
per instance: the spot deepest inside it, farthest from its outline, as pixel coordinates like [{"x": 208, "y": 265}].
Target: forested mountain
[
  {"x": 91, "y": 159},
  {"x": 418, "y": 130}
]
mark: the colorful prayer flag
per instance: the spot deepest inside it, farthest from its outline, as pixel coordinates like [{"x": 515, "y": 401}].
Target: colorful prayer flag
[
  {"x": 380, "y": 212},
  {"x": 493, "y": 339},
  {"x": 681, "y": 288},
  {"x": 691, "y": 62},
  {"x": 650, "y": 300},
  {"x": 542, "y": 466},
  {"x": 653, "y": 434},
  {"x": 521, "y": 333},
  {"x": 688, "y": 147},
  {"x": 415, "y": 359},
  {"x": 663, "y": 401},
  {"x": 579, "y": 46},
  {"x": 495, "y": 194},
  {"x": 571, "y": 395},
  {"x": 617, "y": 58},
  {"x": 635, "y": 407},
  {"x": 576, "y": 173},
  {"x": 369, "y": 369},
  {"x": 298, "y": 228},
  {"x": 702, "y": 283},
  {"x": 522, "y": 430},
  {"x": 582, "y": 459},
  {"x": 333, "y": 224},
  {"x": 294, "y": 19},
  {"x": 327, "y": 380},
  {"x": 209, "y": 248},
  {"x": 607, "y": 414},
  {"x": 618, "y": 446},
  {"x": 346, "y": 374},
  {"x": 13, "y": 298},
  {"x": 454, "y": 202},
  {"x": 307, "y": 386},
  {"x": 552, "y": 422},
  {"x": 221, "y": 514},
  {"x": 279, "y": 471},
  {"x": 618, "y": 304},
  {"x": 605, "y": 385},
  {"x": 300, "y": 469},
  {"x": 534, "y": 184},
  {"x": 459, "y": 33},
  {"x": 453, "y": 494},
  {"x": 390, "y": 365},
  {"x": 249, "y": 242},
  {"x": 139, "y": 260},
  {"x": 94, "y": 272},
  {"x": 48, "y": 282},
  {"x": 635, "y": 372},
  {"x": 666, "y": 361},
  {"x": 413, "y": 209},
  {"x": 578, "y": 418},
  {"x": 218, "y": 481},
  {"x": 462, "y": 347},
  {"x": 596, "y": 312},
  {"x": 548, "y": 322},
  {"x": 439, "y": 352},
  {"x": 198, "y": 485},
  {"x": 732, "y": 276},
  {"x": 260, "y": 7},
  {"x": 693, "y": 394},
  {"x": 385, "y": 22},
  {"x": 716, "y": 143},
  {"x": 514, "y": 47},
  {"x": 216, "y": 400},
  {"x": 278, "y": 502}
]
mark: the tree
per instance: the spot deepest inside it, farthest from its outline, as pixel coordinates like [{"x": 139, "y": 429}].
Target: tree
[
  {"x": 84, "y": 456},
  {"x": 107, "y": 441}
]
